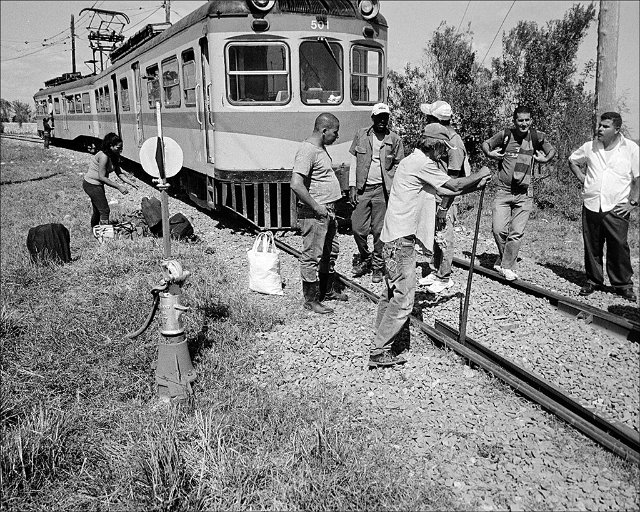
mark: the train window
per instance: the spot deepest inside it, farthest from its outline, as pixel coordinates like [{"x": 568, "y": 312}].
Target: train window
[
  {"x": 97, "y": 100},
  {"x": 321, "y": 73},
  {"x": 171, "y": 82},
  {"x": 124, "y": 94},
  {"x": 78, "y": 103},
  {"x": 101, "y": 99},
  {"x": 107, "y": 99},
  {"x": 258, "y": 72},
  {"x": 86, "y": 102},
  {"x": 56, "y": 105},
  {"x": 189, "y": 77},
  {"x": 70, "y": 107},
  {"x": 366, "y": 75},
  {"x": 153, "y": 85}
]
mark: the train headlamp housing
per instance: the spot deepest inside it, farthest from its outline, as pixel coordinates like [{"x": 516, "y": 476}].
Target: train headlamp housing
[
  {"x": 369, "y": 8},
  {"x": 262, "y": 5}
]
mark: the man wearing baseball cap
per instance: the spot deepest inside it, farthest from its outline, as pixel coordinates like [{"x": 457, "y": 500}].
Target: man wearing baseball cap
[
  {"x": 376, "y": 151},
  {"x": 418, "y": 176},
  {"x": 457, "y": 165}
]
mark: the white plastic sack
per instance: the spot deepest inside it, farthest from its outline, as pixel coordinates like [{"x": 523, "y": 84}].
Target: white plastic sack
[
  {"x": 103, "y": 232},
  {"x": 264, "y": 265}
]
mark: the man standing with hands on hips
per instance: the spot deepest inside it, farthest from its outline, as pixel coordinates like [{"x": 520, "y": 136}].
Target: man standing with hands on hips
[
  {"x": 375, "y": 151},
  {"x": 609, "y": 192}
]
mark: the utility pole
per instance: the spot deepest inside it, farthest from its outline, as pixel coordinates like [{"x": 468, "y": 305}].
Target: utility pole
[
  {"x": 73, "y": 46},
  {"x": 607, "y": 58},
  {"x": 167, "y": 10}
]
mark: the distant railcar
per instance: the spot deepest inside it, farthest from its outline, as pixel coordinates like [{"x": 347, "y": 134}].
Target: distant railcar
[{"x": 240, "y": 83}]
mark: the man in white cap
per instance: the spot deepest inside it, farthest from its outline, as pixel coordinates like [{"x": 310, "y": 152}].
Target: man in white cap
[
  {"x": 457, "y": 166},
  {"x": 375, "y": 153},
  {"x": 419, "y": 175}
]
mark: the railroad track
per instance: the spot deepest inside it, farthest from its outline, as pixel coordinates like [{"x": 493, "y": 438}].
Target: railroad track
[
  {"x": 23, "y": 138},
  {"x": 616, "y": 437},
  {"x": 610, "y": 322}
]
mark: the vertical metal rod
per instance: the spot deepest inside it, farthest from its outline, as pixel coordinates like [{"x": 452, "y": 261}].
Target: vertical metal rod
[
  {"x": 164, "y": 197},
  {"x": 73, "y": 46},
  {"x": 465, "y": 309}
]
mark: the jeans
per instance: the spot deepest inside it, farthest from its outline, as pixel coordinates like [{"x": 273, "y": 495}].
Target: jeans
[
  {"x": 368, "y": 216},
  {"x": 444, "y": 246},
  {"x": 510, "y": 216},
  {"x": 320, "y": 245},
  {"x": 46, "y": 136},
  {"x": 99, "y": 203},
  {"x": 609, "y": 227},
  {"x": 396, "y": 301}
]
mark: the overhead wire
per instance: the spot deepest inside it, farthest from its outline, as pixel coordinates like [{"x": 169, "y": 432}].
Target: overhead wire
[
  {"x": 497, "y": 32},
  {"x": 463, "y": 15}
]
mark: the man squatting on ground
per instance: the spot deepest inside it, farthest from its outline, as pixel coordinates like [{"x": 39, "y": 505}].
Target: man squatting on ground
[
  {"x": 315, "y": 184},
  {"x": 457, "y": 166},
  {"x": 610, "y": 188},
  {"x": 419, "y": 175},
  {"x": 376, "y": 152},
  {"x": 516, "y": 150}
]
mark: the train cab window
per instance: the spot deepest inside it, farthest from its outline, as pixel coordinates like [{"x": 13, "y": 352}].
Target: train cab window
[
  {"x": 366, "y": 75},
  {"x": 78, "y": 103},
  {"x": 153, "y": 85},
  {"x": 171, "y": 82},
  {"x": 321, "y": 72},
  {"x": 107, "y": 99},
  {"x": 124, "y": 94},
  {"x": 86, "y": 102},
  {"x": 56, "y": 105},
  {"x": 258, "y": 72},
  {"x": 189, "y": 77},
  {"x": 70, "y": 108}
]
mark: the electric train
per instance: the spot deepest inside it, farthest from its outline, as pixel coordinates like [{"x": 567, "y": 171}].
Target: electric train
[{"x": 240, "y": 84}]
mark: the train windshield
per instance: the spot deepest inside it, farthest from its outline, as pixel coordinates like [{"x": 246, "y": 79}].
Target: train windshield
[
  {"x": 258, "y": 72},
  {"x": 321, "y": 72},
  {"x": 366, "y": 75}
]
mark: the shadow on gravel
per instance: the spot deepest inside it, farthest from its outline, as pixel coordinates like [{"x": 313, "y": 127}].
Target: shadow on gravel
[
  {"x": 486, "y": 259},
  {"x": 630, "y": 312},
  {"x": 569, "y": 274}
]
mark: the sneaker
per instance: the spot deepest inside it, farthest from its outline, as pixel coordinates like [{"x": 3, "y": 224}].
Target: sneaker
[
  {"x": 509, "y": 274},
  {"x": 377, "y": 276},
  {"x": 385, "y": 359},
  {"x": 439, "y": 286},
  {"x": 428, "y": 279},
  {"x": 497, "y": 268}
]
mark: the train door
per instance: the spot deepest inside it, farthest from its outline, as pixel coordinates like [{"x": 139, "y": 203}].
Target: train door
[
  {"x": 116, "y": 104},
  {"x": 137, "y": 98},
  {"x": 207, "y": 124}
]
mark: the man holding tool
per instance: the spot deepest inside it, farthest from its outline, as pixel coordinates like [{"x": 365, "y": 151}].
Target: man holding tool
[{"x": 419, "y": 175}]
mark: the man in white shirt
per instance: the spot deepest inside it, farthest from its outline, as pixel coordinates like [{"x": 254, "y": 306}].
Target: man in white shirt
[
  {"x": 609, "y": 194},
  {"x": 418, "y": 176}
]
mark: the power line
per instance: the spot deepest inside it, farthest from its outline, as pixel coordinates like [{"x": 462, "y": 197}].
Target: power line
[
  {"x": 143, "y": 19},
  {"x": 464, "y": 14},
  {"x": 497, "y": 32}
]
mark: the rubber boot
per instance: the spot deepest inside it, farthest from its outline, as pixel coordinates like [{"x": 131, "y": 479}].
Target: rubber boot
[
  {"x": 311, "y": 302},
  {"x": 327, "y": 287}
]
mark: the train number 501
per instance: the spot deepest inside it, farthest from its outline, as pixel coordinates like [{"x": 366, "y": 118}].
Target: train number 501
[{"x": 319, "y": 25}]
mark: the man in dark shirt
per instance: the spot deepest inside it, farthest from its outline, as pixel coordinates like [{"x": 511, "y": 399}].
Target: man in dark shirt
[
  {"x": 517, "y": 150},
  {"x": 46, "y": 132}
]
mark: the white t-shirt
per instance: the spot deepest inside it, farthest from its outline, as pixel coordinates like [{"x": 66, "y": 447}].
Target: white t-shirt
[
  {"x": 411, "y": 208},
  {"x": 314, "y": 164},
  {"x": 609, "y": 173}
]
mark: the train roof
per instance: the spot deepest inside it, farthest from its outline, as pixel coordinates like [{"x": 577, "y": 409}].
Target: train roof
[{"x": 218, "y": 9}]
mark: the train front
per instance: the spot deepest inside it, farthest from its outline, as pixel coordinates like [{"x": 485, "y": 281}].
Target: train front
[{"x": 284, "y": 63}]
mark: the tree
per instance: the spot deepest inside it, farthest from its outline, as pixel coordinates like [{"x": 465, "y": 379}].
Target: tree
[
  {"x": 6, "y": 112},
  {"x": 22, "y": 111}
]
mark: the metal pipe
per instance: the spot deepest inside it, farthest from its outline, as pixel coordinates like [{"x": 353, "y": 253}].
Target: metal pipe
[{"x": 164, "y": 197}]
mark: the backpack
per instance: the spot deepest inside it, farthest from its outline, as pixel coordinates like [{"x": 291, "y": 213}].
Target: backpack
[
  {"x": 49, "y": 242},
  {"x": 179, "y": 227},
  {"x": 525, "y": 162},
  {"x": 152, "y": 213},
  {"x": 535, "y": 140}
]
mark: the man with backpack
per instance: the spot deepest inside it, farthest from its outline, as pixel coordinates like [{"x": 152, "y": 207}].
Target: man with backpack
[
  {"x": 517, "y": 150},
  {"x": 457, "y": 167}
]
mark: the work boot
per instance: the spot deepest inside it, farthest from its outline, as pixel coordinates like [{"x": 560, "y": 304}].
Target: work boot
[
  {"x": 311, "y": 302},
  {"x": 362, "y": 268},
  {"x": 327, "y": 287}
]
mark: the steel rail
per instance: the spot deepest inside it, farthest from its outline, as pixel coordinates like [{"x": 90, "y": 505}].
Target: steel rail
[
  {"x": 14, "y": 136},
  {"x": 618, "y": 438},
  {"x": 610, "y": 322}
]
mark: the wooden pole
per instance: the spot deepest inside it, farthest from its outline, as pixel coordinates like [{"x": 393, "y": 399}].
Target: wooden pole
[
  {"x": 73, "y": 46},
  {"x": 167, "y": 10},
  {"x": 607, "y": 59}
]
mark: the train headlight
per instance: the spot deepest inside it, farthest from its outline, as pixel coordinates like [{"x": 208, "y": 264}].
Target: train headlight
[
  {"x": 369, "y": 8},
  {"x": 262, "y": 5}
]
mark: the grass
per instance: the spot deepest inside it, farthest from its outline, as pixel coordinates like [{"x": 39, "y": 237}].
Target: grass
[{"x": 82, "y": 427}]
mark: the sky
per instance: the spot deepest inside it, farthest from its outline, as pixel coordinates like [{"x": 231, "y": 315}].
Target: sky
[{"x": 35, "y": 43}]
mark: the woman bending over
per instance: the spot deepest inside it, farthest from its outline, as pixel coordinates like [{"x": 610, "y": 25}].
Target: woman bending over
[{"x": 104, "y": 162}]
